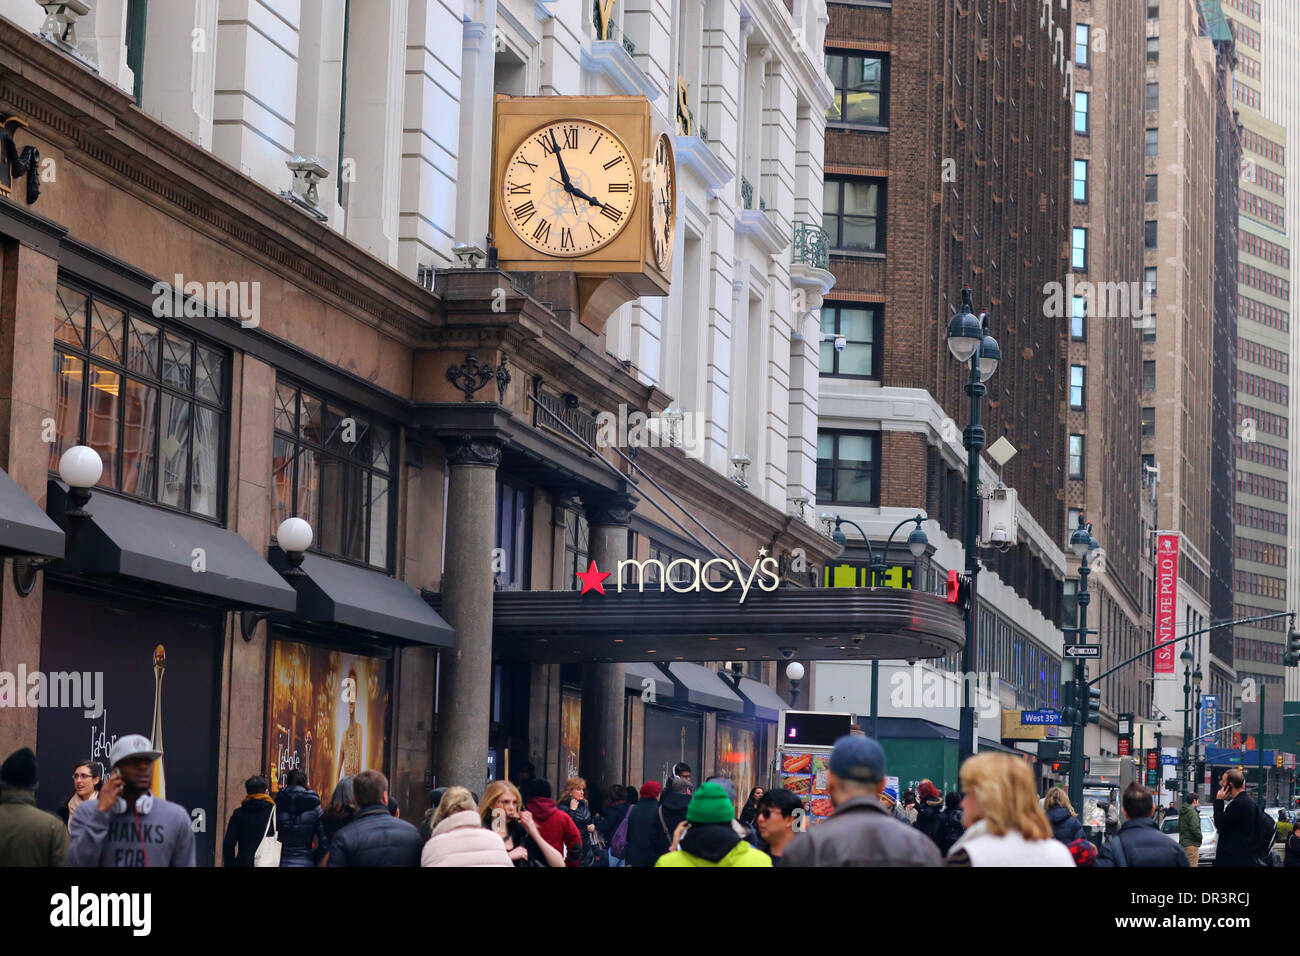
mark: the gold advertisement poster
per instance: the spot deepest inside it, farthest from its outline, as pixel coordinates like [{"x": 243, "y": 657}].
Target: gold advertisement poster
[
  {"x": 736, "y": 758},
  {"x": 570, "y": 735},
  {"x": 327, "y": 714}
]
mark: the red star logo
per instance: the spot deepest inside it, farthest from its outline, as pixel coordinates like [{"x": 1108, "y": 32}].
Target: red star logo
[{"x": 591, "y": 579}]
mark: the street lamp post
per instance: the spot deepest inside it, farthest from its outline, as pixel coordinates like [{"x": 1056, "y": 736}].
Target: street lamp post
[
  {"x": 1196, "y": 741},
  {"x": 917, "y": 542},
  {"x": 1188, "y": 659},
  {"x": 970, "y": 342},
  {"x": 1083, "y": 544}
]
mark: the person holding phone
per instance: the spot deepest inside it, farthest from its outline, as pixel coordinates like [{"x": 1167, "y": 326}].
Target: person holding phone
[
  {"x": 1234, "y": 818},
  {"x": 127, "y": 825}
]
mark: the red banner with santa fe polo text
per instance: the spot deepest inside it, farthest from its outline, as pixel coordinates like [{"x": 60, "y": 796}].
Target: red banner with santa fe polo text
[{"x": 1166, "y": 600}]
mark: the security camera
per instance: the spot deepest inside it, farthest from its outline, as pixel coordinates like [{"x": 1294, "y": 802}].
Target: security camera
[
  {"x": 840, "y": 342},
  {"x": 787, "y": 653},
  {"x": 998, "y": 538},
  {"x": 912, "y": 661}
]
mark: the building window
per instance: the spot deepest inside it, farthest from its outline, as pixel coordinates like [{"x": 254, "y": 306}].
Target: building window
[
  {"x": 1076, "y": 456},
  {"x": 333, "y": 467},
  {"x": 1081, "y": 44},
  {"x": 1079, "y": 248},
  {"x": 1153, "y": 142},
  {"x": 1080, "y": 180},
  {"x": 1153, "y": 9},
  {"x": 1153, "y": 53},
  {"x": 577, "y": 544},
  {"x": 1078, "y": 317},
  {"x": 510, "y": 565},
  {"x": 1153, "y": 183},
  {"x": 861, "y": 327},
  {"x": 152, "y": 401},
  {"x": 861, "y": 84},
  {"x": 853, "y": 214},
  {"x": 135, "y": 31},
  {"x": 1149, "y": 281},
  {"x": 1081, "y": 112},
  {"x": 846, "y": 467},
  {"x": 666, "y": 556},
  {"x": 1149, "y": 376},
  {"x": 1150, "y": 236},
  {"x": 1071, "y": 522},
  {"x": 1153, "y": 97},
  {"x": 1148, "y": 422},
  {"x": 1076, "y": 386}
]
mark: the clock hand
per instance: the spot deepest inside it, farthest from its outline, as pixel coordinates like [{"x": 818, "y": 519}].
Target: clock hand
[
  {"x": 575, "y": 191},
  {"x": 564, "y": 173}
]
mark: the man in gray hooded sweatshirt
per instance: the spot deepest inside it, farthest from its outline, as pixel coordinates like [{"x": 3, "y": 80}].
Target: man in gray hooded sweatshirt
[{"x": 128, "y": 825}]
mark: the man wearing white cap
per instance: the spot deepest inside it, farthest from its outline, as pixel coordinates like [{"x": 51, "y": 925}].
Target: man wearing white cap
[{"x": 128, "y": 825}]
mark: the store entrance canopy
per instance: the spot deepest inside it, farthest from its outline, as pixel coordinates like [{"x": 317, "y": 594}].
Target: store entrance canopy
[
  {"x": 335, "y": 592},
  {"x": 162, "y": 547},
  {"x": 820, "y": 624},
  {"x": 24, "y": 528}
]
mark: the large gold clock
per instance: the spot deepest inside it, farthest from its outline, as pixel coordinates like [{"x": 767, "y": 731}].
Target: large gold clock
[
  {"x": 663, "y": 197},
  {"x": 569, "y": 188}
]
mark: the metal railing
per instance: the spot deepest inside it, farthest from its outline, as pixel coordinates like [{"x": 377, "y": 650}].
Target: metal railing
[{"x": 811, "y": 246}]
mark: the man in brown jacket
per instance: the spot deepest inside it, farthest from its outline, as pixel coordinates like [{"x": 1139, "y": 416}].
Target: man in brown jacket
[
  {"x": 860, "y": 832},
  {"x": 28, "y": 836}
]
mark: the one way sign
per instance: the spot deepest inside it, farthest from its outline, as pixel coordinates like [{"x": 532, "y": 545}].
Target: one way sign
[{"x": 1083, "y": 650}]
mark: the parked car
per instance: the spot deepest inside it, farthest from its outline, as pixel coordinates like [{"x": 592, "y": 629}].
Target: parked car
[
  {"x": 1279, "y": 815},
  {"x": 1209, "y": 835}
]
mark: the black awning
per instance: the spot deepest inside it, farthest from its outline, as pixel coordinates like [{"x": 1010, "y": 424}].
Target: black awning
[
  {"x": 335, "y": 592},
  {"x": 163, "y": 547},
  {"x": 760, "y": 700},
  {"x": 24, "y": 528},
  {"x": 702, "y": 687},
  {"x": 638, "y": 672}
]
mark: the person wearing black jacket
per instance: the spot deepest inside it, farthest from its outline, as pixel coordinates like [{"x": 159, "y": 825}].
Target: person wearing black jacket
[
  {"x": 374, "y": 837},
  {"x": 1234, "y": 818},
  {"x": 1060, "y": 814},
  {"x": 573, "y": 801},
  {"x": 616, "y": 808},
  {"x": 1139, "y": 841},
  {"x": 950, "y": 822},
  {"x": 247, "y": 824},
  {"x": 647, "y": 840},
  {"x": 929, "y": 807},
  {"x": 298, "y": 818}
]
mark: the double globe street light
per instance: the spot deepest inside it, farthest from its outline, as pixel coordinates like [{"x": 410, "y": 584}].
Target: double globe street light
[{"x": 970, "y": 342}]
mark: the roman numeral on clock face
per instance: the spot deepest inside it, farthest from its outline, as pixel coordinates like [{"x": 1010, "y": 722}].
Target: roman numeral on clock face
[
  {"x": 525, "y": 212},
  {"x": 543, "y": 231},
  {"x": 612, "y": 214},
  {"x": 566, "y": 238},
  {"x": 619, "y": 188},
  {"x": 524, "y": 190},
  {"x": 613, "y": 162},
  {"x": 595, "y": 235},
  {"x": 570, "y": 137}
]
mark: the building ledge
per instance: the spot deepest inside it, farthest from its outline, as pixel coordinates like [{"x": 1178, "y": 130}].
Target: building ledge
[
  {"x": 611, "y": 58},
  {"x": 694, "y": 153},
  {"x": 802, "y": 274},
  {"x": 756, "y": 223}
]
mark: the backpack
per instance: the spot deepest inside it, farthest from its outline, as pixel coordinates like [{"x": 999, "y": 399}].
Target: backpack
[
  {"x": 618, "y": 842},
  {"x": 1262, "y": 838}
]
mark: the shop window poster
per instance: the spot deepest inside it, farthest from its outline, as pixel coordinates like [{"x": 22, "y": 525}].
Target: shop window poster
[
  {"x": 736, "y": 759},
  {"x": 570, "y": 734},
  {"x": 327, "y": 714}
]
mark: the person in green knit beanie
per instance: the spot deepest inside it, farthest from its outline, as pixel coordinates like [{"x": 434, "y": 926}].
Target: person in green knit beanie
[{"x": 707, "y": 837}]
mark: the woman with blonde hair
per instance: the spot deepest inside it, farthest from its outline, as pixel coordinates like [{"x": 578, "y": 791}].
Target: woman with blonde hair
[
  {"x": 458, "y": 835},
  {"x": 1060, "y": 814},
  {"x": 1005, "y": 826},
  {"x": 501, "y": 811},
  {"x": 573, "y": 801}
]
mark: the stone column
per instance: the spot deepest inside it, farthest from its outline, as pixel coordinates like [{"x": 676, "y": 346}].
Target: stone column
[
  {"x": 466, "y": 681},
  {"x": 603, "y": 685}
]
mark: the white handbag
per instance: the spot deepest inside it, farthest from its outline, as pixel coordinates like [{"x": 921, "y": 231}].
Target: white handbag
[{"x": 268, "y": 851}]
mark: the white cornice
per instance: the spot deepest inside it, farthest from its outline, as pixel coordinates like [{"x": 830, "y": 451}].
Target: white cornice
[
  {"x": 693, "y": 153},
  {"x": 756, "y": 223},
  {"x": 610, "y": 57}
]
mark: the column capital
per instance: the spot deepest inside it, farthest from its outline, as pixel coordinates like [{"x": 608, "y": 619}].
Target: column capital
[
  {"x": 614, "y": 509},
  {"x": 473, "y": 450}
]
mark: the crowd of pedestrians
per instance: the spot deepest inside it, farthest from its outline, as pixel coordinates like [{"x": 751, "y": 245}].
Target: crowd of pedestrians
[{"x": 111, "y": 818}]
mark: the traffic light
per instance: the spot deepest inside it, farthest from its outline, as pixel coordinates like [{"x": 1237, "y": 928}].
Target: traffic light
[
  {"x": 1069, "y": 703},
  {"x": 1094, "y": 705},
  {"x": 958, "y": 591},
  {"x": 1292, "y": 656}
]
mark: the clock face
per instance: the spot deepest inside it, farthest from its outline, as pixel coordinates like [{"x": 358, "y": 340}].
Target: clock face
[
  {"x": 663, "y": 196},
  {"x": 569, "y": 188}
]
